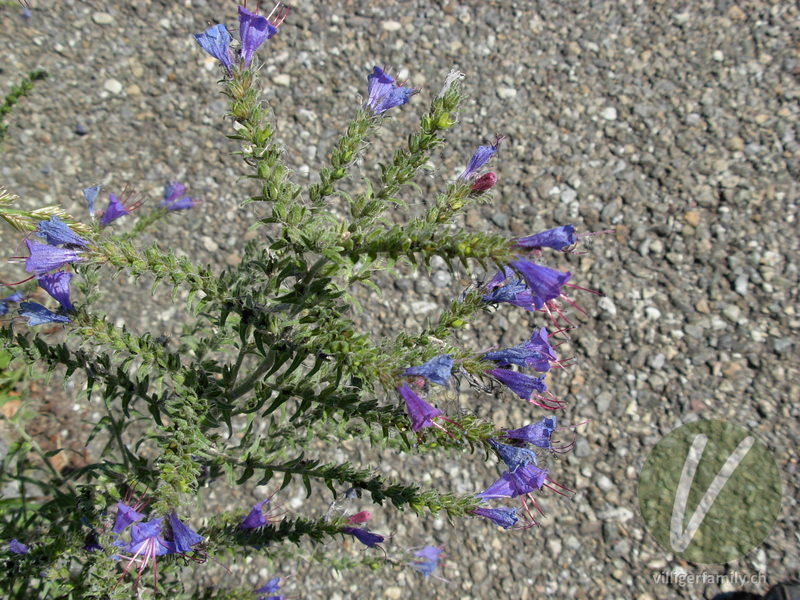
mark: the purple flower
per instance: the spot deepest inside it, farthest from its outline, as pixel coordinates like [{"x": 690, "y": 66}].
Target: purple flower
[
  {"x": 271, "y": 587},
  {"x": 57, "y": 285},
  {"x": 56, "y": 232},
  {"x": 513, "y": 456},
  {"x": 174, "y": 198},
  {"x": 39, "y": 315},
  {"x": 125, "y": 516},
  {"x": 536, "y": 353},
  {"x": 254, "y": 29},
  {"x": 522, "y": 385},
  {"x": 544, "y": 283},
  {"x": 44, "y": 258},
  {"x": 15, "y": 297},
  {"x": 146, "y": 541},
  {"x": 183, "y": 537},
  {"x": 367, "y": 538},
  {"x": 16, "y": 547},
  {"x": 537, "y": 433},
  {"x": 557, "y": 239},
  {"x": 436, "y": 369},
  {"x": 513, "y": 292},
  {"x": 511, "y": 484},
  {"x": 429, "y": 562},
  {"x": 217, "y": 41},
  {"x": 114, "y": 211},
  {"x": 383, "y": 93},
  {"x": 89, "y": 195},
  {"x": 255, "y": 518},
  {"x": 502, "y": 517},
  {"x": 421, "y": 413},
  {"x": 479, "y": 158}
]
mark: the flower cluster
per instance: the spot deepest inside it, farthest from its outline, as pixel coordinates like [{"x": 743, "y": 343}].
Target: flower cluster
[
  {"x": 254, "y": 30},
  {"x": 141, "y": 541}
]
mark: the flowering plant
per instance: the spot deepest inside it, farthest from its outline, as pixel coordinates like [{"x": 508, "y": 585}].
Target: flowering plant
[{"x": 273, "y": 360}]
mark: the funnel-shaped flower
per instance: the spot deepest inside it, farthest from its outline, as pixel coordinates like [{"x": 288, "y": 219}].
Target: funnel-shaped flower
[
  {"x": 183, "y": 538},
  {"x": 537, "y": 434},
  {"x": 421, "y": 413},
  {"x": 480, "y": 158},
  {"x": 16, "y": 547},
  {"x": 174, "y": 198},
  {"x": 114, "y": 211},
  {"x": 217, "y": 42},
  {"x": 255, "y": 29},
  {"x": 39, "y": 315},
  {"x": 56, "y": 232},
  {"x": 522, "y": 385},
  {"x": 503, "y": 517},
  {"x": 513, "y": 456},
  {"x": 126, "y": 515},
  {"x": 44, "y": 258},
  {"x": 383, "y": 93},
  {"x": 365, "y": 537},
  {"x": 57, "y": 285},
  {"x": 544, "y": 283},
  {"x": 511, "y": 484},
  {"x": 89, "y": 195},
  {"x": 557, "y": 238},
  {"x": 436, "y": 370}
]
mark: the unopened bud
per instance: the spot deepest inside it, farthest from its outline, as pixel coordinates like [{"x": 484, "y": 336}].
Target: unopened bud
[{"x": 483, "y": 183}]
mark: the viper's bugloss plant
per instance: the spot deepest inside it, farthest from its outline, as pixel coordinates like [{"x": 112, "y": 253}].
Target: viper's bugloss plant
[{"x": 272, "y": 361}]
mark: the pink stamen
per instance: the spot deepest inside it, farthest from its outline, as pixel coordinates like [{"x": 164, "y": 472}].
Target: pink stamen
[
  {"x": 583, "y": 289},
  {"x": 18, "y": 282}
]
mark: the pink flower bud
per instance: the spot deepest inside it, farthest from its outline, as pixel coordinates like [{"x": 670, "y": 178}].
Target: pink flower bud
[{"x": 483, "y": 183}]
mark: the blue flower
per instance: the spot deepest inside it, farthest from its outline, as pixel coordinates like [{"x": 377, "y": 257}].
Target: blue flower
[
  {"x": 511, "y": 484},
  {"x": 174, "y": 198},
  {"x": 183, "y": 538},
  {"x": 217, "y": 42},
  {"x": 89, "y": 195},
  {"x": 536, "y": 353},
  {"x": 15, "y": 297},
  {"x": 271, "y": 587},
  {"x": 114, "y": 211},
  {"x": 429, "y": 560},
  {"x": 503, "y": 517},
  {"x": 367, "y": 538},
  {"x": 255, "y": 29},
  {"x": 522, "y": 385},
  {"x": 383, "y": 93},
  {"x": 513, "y": 456},
  {"x": 146, "y": 540},
  {"x": 44, "y": 258},
  {"x": 421, "y": 413},
  {"x": 537, "y": 433},
  {"x": 436, "y": 369},
  {"x": 56, "y": 232},
  {"x": 557, "y": 238},
  {"x": 16, "y": 547},
  {"x": 255, "y": 518},
  {"x": 126, "y": 515},
  {"x": 57, "y": 285},
  {"x": 544, "y": 283},
  {"x": 480, "y": 158},
  {"x": 39, "y": 315}
]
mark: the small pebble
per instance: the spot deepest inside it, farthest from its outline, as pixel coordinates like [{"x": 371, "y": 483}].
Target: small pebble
[
  {"x": 102, "y": 18},
  {"x": 113, "y": 86}
]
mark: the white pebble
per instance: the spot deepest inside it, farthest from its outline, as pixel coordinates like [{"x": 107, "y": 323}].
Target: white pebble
[
  {"x": 608, "y": 305},
  {"x": 102, "y": 18},
  {"x": 113, "y": 86},
  {"x": 392, "y": 25},
  {"x": 609, "y": 113},
  {"x": 506, "y": 93},
  {"x": 282, "y": 79}
]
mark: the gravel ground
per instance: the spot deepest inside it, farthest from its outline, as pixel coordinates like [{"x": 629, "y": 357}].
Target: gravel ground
[{"x": 673, "y": 123}]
